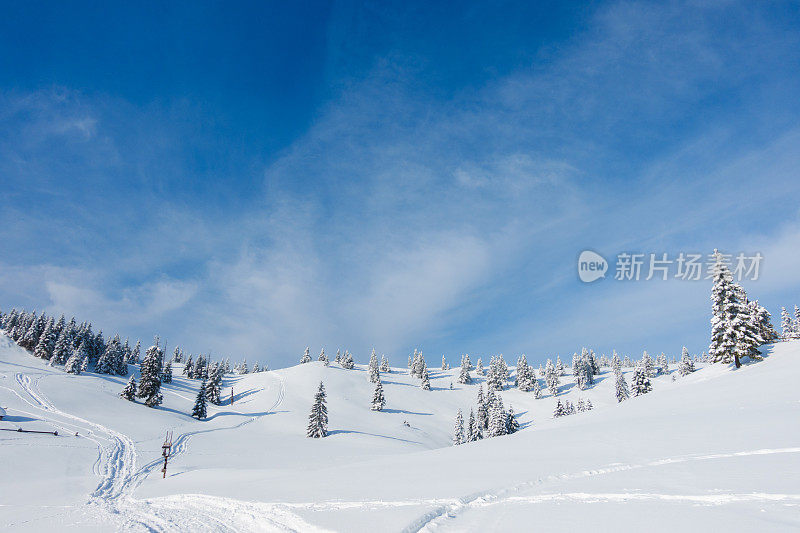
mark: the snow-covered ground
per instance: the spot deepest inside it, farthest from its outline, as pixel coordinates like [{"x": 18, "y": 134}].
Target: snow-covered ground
[{"x": 717, "y": 449}]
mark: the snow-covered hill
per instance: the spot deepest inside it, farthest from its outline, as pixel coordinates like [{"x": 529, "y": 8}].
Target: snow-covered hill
[{"x": 718, "y": 448}]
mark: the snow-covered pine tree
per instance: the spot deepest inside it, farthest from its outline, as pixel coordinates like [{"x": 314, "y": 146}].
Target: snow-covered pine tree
[
  {"x": 787, "y": 326},
  {"x": 129, "y": 392},
  {"x": 686, "y": 366},
  {"x": 662, "y": 364},
  {"x": 473, "y": 431},
  {"x": 214, "y": 384},
  {"x": 463, "y": 376},
  {"x": 188, "y": 366},
  {"x": 536, "y": 388},
  {"x": 136, "y": 353},
  {"x": 763, "y": 321},
  {"x": 523, "y": 374},
  {"x": 512, "y": 424},
  {"x": 318, "y": 418},
  {"x": 62, "y": 349},
  {"x": 374, "y": 367},
  {"x": 47, "y": 341},
  {"x": 257, "y": 368},
  {"x": 199, "y": 410},
  {"x": 648, "y": 364},
  {"x": 177, "y": 355},
  {"x": 338, "y": 356},
  {"x": 479, "y": 367},
  {"x": 150, "y": 382},
  {"x": 551, "y": 378},
  {"x": 445, "y": 366},
  {"x": 581, "y": 407},
  {"x": 385, "y": 368},
  {"x": 166, "y": 375},
  {"x": 589, "y": 405},
  {"x": 723, "y": 310},
  {"x": 640, "y": 383},
  {"x": 796, "y": 326},
  {"x": 73, "y": 364},
  {"x": 498, "y": 419},
  {"x": 347, "y": 361},
  {"x": 559, "y": 366},
  {"x": 306, "y": 356},
  {"x": 426, "y": 380},
  {"x": 378, "y": 400},
  {"x": 323, "y": 358},
  {"x": 458, "y": 431},
  {"x": 621, "y": 388}
]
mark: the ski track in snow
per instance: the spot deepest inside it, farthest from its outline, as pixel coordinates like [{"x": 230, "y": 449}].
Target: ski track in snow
[
  {"x": 439, "y": 516},
  {"x": 116, "y": 464}
]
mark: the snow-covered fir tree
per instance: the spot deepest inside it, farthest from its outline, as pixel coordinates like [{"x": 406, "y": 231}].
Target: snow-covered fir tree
[
  {"x": 150, "y": 382},
  {"x": 535, "y": 387},
  {"x": 318, "y": 418},
  {"x": 662, "y": 364},
  {"x": 458, "y": 430},
  {"x": 463, "y": 375},
  {"x": 73, "y": 364},
  {"x": 498, "y": 418},
  {"x": 559, "y": 366},
  {"x": 523, "y": 379},
  {"x": 378, "y": 399},
  {"x": 479, "y": 367},
  {"x": 374, "y": 367},
  {"x": 473, "y": 431},
  {"x": 136, "y": 353},
  {"x": 787, "y": 325},
  {"x": 551, "y": 378},
  {"x": 445, "y": 365},
  {"x": 512, "y": 424},
  {"x": 166, "y": 374},
  {"x": 686, "y": 366},
  {"x": 385, "y": 368},
  {"x": 199, "y": 411},
  {"x": 129, "y": 392},
  {"x": 640, "y": 382},
  {"x": 323, "y": 358},
  {"x": 177, "y": 355},
  {"x": 483, "y": 413},
  {"x": 347, "y": 361},
  {"x": 306, "y": 356},
  {"x": 188, "y": 367},
  {"x": 426, "y": 380},
  {"x": 621, "y": 387},
  {"x": 214, "y": 384},
  {"x": 589, "y": 405}
]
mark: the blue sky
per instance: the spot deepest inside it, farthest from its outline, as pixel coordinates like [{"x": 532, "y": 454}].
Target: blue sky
[{"x": 252, "y": 179}]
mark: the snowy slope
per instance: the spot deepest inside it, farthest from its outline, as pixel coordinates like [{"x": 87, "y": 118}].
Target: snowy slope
[{"x": 720, "y": 447}]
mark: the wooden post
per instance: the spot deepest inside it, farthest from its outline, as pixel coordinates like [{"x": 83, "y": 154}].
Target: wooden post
[
  {"x": 166, "y": 451},
  {"x": 231, "y": 395}
]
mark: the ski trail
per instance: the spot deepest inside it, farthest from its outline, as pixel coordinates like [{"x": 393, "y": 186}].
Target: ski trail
[
  {"x": 116, "y": 465},
  {"x": 429, "y": 521}
]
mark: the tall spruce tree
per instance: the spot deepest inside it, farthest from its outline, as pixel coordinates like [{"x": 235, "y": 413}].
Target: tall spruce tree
[
  {"x": 199, "y": 411},
  {"x": 378, "y": 400},
  {"x": 458, "y": 430},
  {"x": 640, "y": 382},
  {"x": 150, "y": 382},
  {"x": 318, "y": 418},
  {"x": 306, "y": 356},
  {"x": 621, "y": 387},
  {"x": 129, "y": 392}
]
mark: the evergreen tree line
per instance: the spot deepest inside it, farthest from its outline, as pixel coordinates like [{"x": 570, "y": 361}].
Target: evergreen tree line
[{"x": 790, "y": 328}]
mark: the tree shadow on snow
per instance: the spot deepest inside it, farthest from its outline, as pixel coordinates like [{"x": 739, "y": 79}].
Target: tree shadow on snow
[
  {"x": 403, "y": 411},
  {"x": 345, "y": 431},
  {"x": 13, "y": 418}
]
